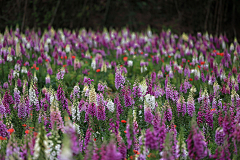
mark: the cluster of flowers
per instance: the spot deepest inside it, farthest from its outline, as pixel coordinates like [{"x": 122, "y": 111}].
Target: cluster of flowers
[{"x": 147, "y": 119}]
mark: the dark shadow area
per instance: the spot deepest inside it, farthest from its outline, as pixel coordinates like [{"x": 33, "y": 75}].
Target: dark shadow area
[{"x": 191, "y": 16}]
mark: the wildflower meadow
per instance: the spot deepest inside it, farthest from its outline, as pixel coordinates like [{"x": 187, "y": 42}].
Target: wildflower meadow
[{"x": 118, "y": 95}]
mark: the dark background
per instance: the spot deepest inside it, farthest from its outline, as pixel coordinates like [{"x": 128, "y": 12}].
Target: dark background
[{"x": 190, "y": 16}]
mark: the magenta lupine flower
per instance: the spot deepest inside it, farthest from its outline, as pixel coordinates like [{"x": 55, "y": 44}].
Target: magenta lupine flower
[
  {"x": 119, "y": 79},
  {"x": 40, "y": 60},
  {"x": 119, "y": 107},
  {"x": 60, "y": 74},
  {"x": 202, "y": 76},
  {"x": 151, "y": 139},
  {"x": 48, "y": 80},
  {"x": 49, "y": 71},
  {"x": 92, "y": 109},
  {"x": 122, "y": 149},
  {"x": 153, "y": 76},
  {"x": 87, "y": 138},
  {"x": 2, "y": 108},
  {"x": 222, "y": 152},
  {"x": 17, "y": 97},
  {"x": 181, "y": 106},
  {"x": 7, "y": 101},
  {"x": 219, "y": 136},
  {"x": 19, "y": 83},
  {"x": 190, "y": 106},
  {"x": 197, "y": 147},
  {"x": 5, "y": 85},
  {"x": 128, "y": 135},
  {"x": 168, "y": 90},
  {"x": 3, "y": 130},
  {"x": 148, "y": 115},
  {"x": 168, "y": 113},
  {"x": 55, "y": 117},
  {"x": 95, "y": 153},
  {"x": 112, "y": 153},
  {"x": 127, "y": 98},
  {"x": 22, "y": 110},
  {"x": 61, "y": 97},
  {"x": 136, "y": 91},
  {"x": 228, "y": 124}
]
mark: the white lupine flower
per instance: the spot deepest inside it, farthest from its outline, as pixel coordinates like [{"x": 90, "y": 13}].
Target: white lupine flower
[
  {"x": 93, "y": 64},
  {"x": 9, "y": 58},
  {"x": 67, "y": 49},
  {"x": 15, "y": 74},
  {"x": 28, "y": 45},
  {"x": 63, "y": 37},
  {"x": 150, "y": 100},
  {"x": 32, "y": 96},
  {"x": 130, "y": 63},
  {"x": 110, "y": 106},
  {"x": 24, "y": 69},
  {"x": 223, "y": 45},
  {"x": 145, "y": 68},
  {"x": 17, "y": 67},
  {"x": 77, "y": 128},
  {"x": 143, "y": 87},
  {"x": 231, "y": 47},
  {"x": 78, "y": 112},
  {"x": 48, "y": 40},
  {"x": 73, "y": 112}
]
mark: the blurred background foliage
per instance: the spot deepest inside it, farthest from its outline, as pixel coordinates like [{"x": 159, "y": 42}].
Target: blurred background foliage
[{"x": 191, "y": 16}]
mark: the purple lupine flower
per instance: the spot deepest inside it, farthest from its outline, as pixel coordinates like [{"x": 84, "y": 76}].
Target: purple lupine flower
[
  {"x": 190, "y": 105},
  {"x": 168, "y": 113},
  {"x": 92, "y": 109},
  {"x": 19, "y": 83},
  {"x": 153, "y": 76},
  {"x": 48, "y": 80},
  {"x": 136, "y": 91},
  {"x": 61, "y": 97},
  {"x": 95, "y": 153},
  {"x": 7, "y": 101},
  {"x": 128, "y": 135},
  {"x": 168, "y": 89},
  {"x": 151, "y": 139},
  {"x": 2, "y": 108},
  {"x": 55, "y": 117},
  {"x": 40, "y": 60},
  {"x": 22, "y": 110},
  {"x": 181, "y": 106},
  {"x": 112, "y": 153},
  {"x": 228, "y": 125},
  {"x": 122, "y": 149},
  {"x": 202, "y": 76},
  {"x": 87, "y": 138},
  {"x": 200, "y": 117},
  {"x": 148, "y": 115},
  {"x": 60, "y": 74},
  {"x": 118, "y": 105},
  {"x": 49, "y": 71},
  {"x": 17, "y": 97},
  {"x": 119, "y": 79},
  {"x": 197, "y": 147},
  {"x": 3, "y": 130},
  {"x": 101, "y": 115},
  {"x": 5, "y": 85},
  {"x": 219, "y": 136},
  {"x": 127, "y": 98}
]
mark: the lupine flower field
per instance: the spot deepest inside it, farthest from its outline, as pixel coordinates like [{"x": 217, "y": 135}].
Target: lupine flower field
[{"x": 118, "y": 95}]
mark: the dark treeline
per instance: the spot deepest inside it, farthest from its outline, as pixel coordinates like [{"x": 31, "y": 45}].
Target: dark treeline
[{"x": 215, "y": 16}]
